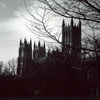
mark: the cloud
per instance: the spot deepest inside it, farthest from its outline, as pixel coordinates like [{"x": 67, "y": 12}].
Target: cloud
[
  {"x": 12, "y": 28},
  {"x": 2, "y": 5},
  {"x": 17, "y": 13},
  {"x": 11, "y": 31},
  {"x": 9, "y": 7}
]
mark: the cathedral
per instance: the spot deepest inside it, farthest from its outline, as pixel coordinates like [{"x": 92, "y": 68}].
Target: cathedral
[
  {"x": 25, "y": 58},
  {"x": 71, "y": 44}
]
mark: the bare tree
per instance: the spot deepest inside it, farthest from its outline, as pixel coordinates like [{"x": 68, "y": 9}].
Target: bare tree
[
  {"x": 1, "y": 66},
  {"x": 12, "y": 65},
  {"x": 6, "y": 71},
  {"x": 44, "y": 11},
  {"x": 88, "y": 11}
]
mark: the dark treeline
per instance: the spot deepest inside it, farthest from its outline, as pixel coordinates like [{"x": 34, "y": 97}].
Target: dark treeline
[{"x": 54, "y": 76}]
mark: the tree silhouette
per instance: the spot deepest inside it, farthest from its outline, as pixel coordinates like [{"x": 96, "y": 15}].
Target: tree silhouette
[{"x": 88, "y": 11}]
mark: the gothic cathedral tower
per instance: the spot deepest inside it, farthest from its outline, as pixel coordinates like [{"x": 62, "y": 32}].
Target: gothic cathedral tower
[
  {"x": 71, "y": 39},
  {"x": 39, "y": 51},
  {"x": 25, "y": 58}
]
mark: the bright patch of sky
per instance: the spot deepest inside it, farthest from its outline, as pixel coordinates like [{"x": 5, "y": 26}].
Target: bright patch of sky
[{"x": 12, "y": 27}]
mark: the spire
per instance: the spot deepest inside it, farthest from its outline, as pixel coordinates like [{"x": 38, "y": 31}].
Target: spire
[
  {"x": 57, "y": 49},
  {"x": 79, "y": 23},
  {"x": 20, "y": 42},
  {"x": 34, "y": 51},
  {"x": 63, "y": 25},
  {"x": 71, "y": 26},
  {"x": 63, "y": 34},
  {"x": 25, "y": 39},
  {"x": 25, "y": 42},
  {"x": 72, "y": 21},
  {"x": 39, "y": 44}
]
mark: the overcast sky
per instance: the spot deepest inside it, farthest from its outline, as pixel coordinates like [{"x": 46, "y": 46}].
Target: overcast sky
[{"x": 12, "y": 27}]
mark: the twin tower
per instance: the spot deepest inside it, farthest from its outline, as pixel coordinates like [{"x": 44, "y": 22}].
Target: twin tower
[
  {"x": 25, "y": 58},
  {"x": 71, "y": 44}
]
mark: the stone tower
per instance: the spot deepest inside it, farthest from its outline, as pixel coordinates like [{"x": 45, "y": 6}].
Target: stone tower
[
  {"x": 39, "y": 51},
  {"x": 71, "y": 36},
  {"x": 25, "y": 58}
]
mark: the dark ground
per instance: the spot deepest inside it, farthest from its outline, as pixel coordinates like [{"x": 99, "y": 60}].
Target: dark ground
[{"x": 49, "y": 98}]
